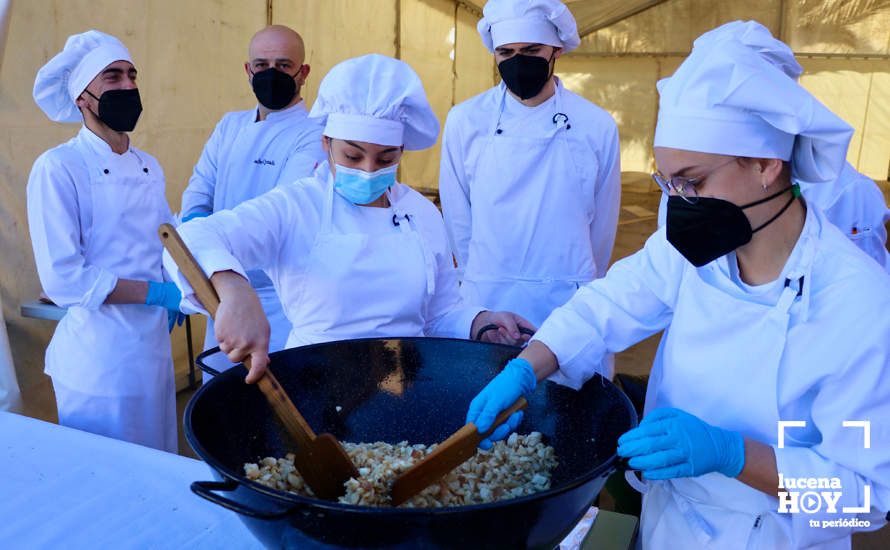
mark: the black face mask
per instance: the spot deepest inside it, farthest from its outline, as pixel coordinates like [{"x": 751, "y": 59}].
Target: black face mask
[
  {"x": 711, "y": 228},
  {"x": 119, "y": 109},
  {"x": 525, "y": 75},
  {"x": 274, "y": 89}
]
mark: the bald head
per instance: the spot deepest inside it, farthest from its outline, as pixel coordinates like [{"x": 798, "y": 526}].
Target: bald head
[
  {"x": 280, "y": 48},
  {"x": 277, "y": 42}
]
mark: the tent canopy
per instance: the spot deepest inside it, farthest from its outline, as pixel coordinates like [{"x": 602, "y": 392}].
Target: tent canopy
[
  {"x": 190, "y": 58},
  {"x": 592, "y": 15}
]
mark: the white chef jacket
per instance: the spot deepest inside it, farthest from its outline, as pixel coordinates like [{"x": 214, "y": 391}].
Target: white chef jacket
[
  {"x": 277, "y": 231},
  {"x": 243, "y": 159},
  {"x": 93, "y": 216},
  {"x": 857, "y": 207},
  {"x": 833, "y": 367},
  {"x": 533, "y": 242}
]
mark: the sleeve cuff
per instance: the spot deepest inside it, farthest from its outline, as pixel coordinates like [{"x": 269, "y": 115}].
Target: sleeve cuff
[
  {"x": 98, "y": 293},
  {"x": 210, "y": 262},
  {"x": 457, "y": 323},
  {"x": 580, "y": 355},
  {"x": 562, "y": 341}
]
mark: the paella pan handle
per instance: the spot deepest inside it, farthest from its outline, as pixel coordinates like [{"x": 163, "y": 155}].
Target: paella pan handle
[
  {"x": 621, "y": 464},
  {"x": 208, "y": 491},
  {"x": 492, "y": 326},
  {"x": 204, "y": 366}
]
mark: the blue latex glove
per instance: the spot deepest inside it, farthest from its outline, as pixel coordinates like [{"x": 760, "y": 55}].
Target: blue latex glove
[
  {"x": 517, "y": 379},
  {"x": 671, "y": 443},
  {"x": 194, "y": 215},
  {"x": 163, "y": 294},
  {"x": 174, "y": 318}
]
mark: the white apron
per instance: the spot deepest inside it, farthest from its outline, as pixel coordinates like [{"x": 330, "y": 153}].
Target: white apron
[
  {"x": 517, "y": 261},
  {"x": 358, "y": 285},
  {"x": 694, "y": 373},
  {"x": 119, "y": 353}
]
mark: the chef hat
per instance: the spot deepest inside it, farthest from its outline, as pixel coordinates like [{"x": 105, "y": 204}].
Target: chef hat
[
  {"x": 736, "y": 94},
  {"x": 534, "y": 21},
  {"x": 66, "y": 76},
  {"x": 376, "y": 99}
]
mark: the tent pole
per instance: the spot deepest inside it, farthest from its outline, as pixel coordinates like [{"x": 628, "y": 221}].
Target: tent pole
[
  {"x": 5, "y": 15},
  {"x": 783, "y": 8},
  {"x": 871, "y": 80},
  {"x": 454, "y": 57},
  {"x": 398, "y": 30}
]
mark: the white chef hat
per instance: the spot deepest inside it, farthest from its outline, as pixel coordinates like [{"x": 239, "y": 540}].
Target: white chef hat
[
  {"x": 535, "y": 21},
  {"x": 736, "y": 94},
  {"x": 66, "y": 76},
  {"x": 376, "y": 99}
]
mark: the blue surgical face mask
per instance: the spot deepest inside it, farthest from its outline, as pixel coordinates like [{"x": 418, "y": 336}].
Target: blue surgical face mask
[{"x": 360, "y": 187}]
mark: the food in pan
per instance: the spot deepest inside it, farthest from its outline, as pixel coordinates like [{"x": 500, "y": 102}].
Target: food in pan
[{"x": 519, "y": 466}]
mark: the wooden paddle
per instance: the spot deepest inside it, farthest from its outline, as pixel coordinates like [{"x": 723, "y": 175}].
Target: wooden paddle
[
  {"x": 447, "y": 456},
  {"x": 321, "y": 460}
]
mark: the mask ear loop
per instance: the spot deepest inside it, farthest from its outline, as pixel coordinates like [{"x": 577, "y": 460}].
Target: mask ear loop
[
  {"x": 298, "y": 73},
  {"x": 795, "y": 193},
  {"x": 95, "y": 114},
  {"x": 330, "y": 149},
  {"x": 553, "y": 61},
  {"x": 640, "y": 485}
]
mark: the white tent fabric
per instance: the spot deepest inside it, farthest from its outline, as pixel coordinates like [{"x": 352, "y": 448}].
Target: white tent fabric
[
  {"x": 843, "y": 46},
  {"x": 10, "y": 399},
  {"x": 628, "y": 45}
]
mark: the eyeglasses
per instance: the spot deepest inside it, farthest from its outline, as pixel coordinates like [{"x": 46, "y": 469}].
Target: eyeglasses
[{"x": 683, "y": 186}]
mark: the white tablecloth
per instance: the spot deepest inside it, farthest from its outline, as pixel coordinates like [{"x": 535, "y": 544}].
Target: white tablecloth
[{"x": 63, "y": 488}]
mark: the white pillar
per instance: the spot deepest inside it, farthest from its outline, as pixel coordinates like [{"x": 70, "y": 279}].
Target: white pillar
[
  {"x": 10, "y": 397},
  {"x": 5, "y": 14}
]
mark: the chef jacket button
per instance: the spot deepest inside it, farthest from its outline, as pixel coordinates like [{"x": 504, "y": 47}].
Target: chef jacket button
[
  {"x": 105, "y": 171},
  {"x": 145, "y": 170},
  {"x": 499, "y": 131}
]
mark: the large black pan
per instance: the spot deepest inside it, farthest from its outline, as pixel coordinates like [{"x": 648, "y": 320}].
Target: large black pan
[{"x": 414, "y": 389}]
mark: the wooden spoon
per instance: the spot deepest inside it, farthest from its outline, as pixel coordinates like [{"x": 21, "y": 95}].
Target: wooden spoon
[
  {"x": 447, "y": 456},
  {"x": 321, "y": 460}
]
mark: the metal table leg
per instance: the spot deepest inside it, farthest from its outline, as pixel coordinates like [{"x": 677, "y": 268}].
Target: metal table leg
[{"x": 188, "y": 340}]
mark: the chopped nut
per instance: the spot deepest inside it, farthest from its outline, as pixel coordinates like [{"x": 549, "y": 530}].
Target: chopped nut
[{"x": 516, "y": 467}]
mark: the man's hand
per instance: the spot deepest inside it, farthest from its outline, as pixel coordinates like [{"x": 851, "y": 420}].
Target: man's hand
[{"x": 508, "y": 328}]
